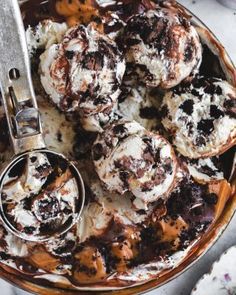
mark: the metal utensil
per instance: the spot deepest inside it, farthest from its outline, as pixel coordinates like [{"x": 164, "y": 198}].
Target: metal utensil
[{"x": 21, "y": 108}]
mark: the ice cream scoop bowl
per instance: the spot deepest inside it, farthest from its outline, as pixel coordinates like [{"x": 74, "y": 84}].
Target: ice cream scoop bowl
[{"x": 25, "y": 129}]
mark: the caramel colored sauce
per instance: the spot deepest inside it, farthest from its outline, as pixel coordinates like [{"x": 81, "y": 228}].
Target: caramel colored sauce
[
  {"x": 224, "y": 191},
  {"x": 76, "y": 12}
]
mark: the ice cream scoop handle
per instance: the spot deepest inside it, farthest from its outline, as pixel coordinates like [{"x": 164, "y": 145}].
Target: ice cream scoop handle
[{"x": 18, "y": 95}]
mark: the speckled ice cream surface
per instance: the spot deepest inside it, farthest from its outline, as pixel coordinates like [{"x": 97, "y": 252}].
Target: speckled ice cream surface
[
  {"x": 99, "y": 72},
  {"x": 186, "y": 125}
]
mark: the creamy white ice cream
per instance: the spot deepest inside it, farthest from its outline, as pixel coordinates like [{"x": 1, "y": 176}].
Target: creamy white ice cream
[
  {"x": 129, "y": 158},
  {"x": 163, "y": 47}
]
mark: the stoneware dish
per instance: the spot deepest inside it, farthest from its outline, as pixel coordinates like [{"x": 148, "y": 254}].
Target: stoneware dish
[{"x": 38, "y": 284}]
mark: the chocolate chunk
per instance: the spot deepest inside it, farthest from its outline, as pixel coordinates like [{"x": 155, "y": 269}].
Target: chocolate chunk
[
  {"x": 211, "y": 199},
  {"x": 197, "y": 211},
  {"x": 158, "y": 155},
  {"x": 95, "y": 18},
  {"x": 199, "y": 82},
  {"x": 27, "y": 202},
  {"x": 47, "y": 208},
  {"x": 210, "y": 89},
  {"x": 100, "y": 101},
  {"x": 189, "y": 51},
  {"x": 4, "y": 256},
  {"x": 190, "y": 128},
  {"x": 66, "y": 248},
  {"x": 230, "y": 106},
  {"x": 98, "y": 152},
  {"x": 207, "y": 170},
  {"x": 59, "y": 136},
  {"x": 168, "y": 168},
  {"x": 124, "y": 176},
  {"x": 132, "y": 42},
  {"x": 215, "y": 112},
  {"x": 187, "y": 106},
  {"x": 164, "y": 111},
  {"x": 195, "y": 92},
  {"x": 120, "y": 130},
  {"x": 29, "y": 230},
  {"x": 141, "y": 212},
  {"x": 149, "y": 234},
  {"x": 69, "y": 54},
  {"x": 218, "y": 90},
  {"x": 206, "y": 126},
  {"x": 149, "y": 113},
  {"x": 33, "y": 159},
  {"x": 200, "y": 140}
]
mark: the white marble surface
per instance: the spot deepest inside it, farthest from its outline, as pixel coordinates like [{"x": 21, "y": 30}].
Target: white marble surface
[{"x": 222, "y": 21}]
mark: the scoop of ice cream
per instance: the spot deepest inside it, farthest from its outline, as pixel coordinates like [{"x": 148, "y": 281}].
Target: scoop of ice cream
[
  {"x": 163, "y": 47},
  {"x": 201, "y": 117},
  {"x": 129, "y": 158},
  {"x": 109, "y": 16},
  {"x": 39, "y": 198},
  {"x": 83, "y": 73},
  {"x": 205, "y": 170}
]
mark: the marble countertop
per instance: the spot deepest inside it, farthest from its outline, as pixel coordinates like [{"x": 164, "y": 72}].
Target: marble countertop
[{"x": 222, "y": 21}]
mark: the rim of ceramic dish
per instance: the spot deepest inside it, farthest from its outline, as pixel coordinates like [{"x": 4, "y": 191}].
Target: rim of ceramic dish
[{"x": 196, "y": 253}]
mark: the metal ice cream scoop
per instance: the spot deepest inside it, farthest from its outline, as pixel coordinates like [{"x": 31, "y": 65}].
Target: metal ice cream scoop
[{"x": 23, "y": 118}]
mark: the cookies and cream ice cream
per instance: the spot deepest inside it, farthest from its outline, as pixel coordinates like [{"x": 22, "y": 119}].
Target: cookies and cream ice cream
[
  {"x": 83, "y": 73},
  {"x": 129, "y": 158},
  {"x": 201, "y": 117},
  {"x": 205, "y": 170},
  {"x": 40, "y": 195},
  {"x": 162, "y": 46},
  {"x": 154, "y": 213}
]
